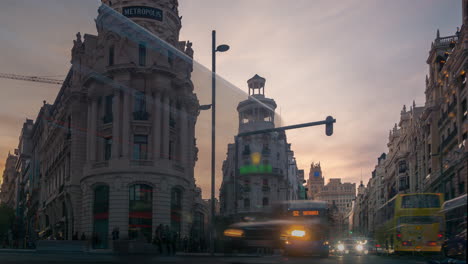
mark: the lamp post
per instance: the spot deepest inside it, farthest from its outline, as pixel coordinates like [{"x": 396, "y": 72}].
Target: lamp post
[{"x": 220, "y": 48}]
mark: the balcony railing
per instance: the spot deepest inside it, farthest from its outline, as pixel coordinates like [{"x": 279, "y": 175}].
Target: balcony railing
[
  {"x": 141, "y": 115},
  {"x": 141, "y": 163}
]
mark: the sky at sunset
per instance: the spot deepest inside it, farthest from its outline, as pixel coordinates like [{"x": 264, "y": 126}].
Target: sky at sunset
[{"x": 357, "y": 60}]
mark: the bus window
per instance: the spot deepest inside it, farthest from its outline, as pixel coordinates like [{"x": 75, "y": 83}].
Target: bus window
[
  {"x": 419, "y": 220},
  {"x": 420, "y": 201}
]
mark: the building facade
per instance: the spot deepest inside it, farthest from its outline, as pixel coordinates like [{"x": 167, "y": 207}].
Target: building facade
[
  {"x": 266, "y": 168},
  {"x": 8, "y": 188},
  {"x": 116, "y": 149}
]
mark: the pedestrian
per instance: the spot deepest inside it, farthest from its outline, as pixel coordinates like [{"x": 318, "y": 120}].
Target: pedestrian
[
  {"x": 185, "y": 244},
  {"x": 174, "y": 241},
  {"x": 158, "y": 237},
  {"x": 83, "y": 236},
  {"x": 167, "y": 239}
]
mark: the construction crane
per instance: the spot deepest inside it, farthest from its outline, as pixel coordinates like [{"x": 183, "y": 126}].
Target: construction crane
[{"x": 30, "y": 78}]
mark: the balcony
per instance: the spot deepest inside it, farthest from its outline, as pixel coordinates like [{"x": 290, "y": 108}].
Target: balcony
[
  {"x": 141, "y": 115},
  {"x": 107, "y": 119}
]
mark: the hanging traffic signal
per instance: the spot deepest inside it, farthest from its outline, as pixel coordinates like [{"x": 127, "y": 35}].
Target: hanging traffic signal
[{"x": 329, "y": 125}]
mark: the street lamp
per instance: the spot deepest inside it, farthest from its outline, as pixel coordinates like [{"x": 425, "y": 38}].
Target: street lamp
[{"x": 220, "y": 48}]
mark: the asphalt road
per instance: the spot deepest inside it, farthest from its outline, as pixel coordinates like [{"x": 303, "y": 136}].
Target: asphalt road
[{"x": 93, "y": 258}]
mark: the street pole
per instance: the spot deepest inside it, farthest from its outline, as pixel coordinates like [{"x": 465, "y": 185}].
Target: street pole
[
  {"x": 213, "y": 137},
  {"x": 220, "y": 48}
]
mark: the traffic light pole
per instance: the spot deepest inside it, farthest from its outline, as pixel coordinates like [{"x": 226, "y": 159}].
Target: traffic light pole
[{"x": 328, "y": 122}]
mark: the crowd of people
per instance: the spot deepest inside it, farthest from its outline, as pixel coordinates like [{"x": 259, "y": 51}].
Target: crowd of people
[{"x": 165, "y": 240}]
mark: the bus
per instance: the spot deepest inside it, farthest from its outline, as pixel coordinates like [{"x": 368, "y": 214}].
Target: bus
[
  {"x": 411, "y": 222},
  {"x": 307, "y": 229}
]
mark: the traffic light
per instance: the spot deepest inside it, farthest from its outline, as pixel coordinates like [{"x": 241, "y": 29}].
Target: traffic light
[{"x": 329, "y": 126}]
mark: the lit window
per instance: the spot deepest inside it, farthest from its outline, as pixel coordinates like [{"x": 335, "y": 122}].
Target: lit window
[{"x": 140, "y": 147}]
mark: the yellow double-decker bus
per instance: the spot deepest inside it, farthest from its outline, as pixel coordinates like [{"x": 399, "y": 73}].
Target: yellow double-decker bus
[{"x": 411, "y": 222}]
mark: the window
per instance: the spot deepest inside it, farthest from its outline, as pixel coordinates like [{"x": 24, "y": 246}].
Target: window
[
  {"x": 140, "y": 147},
  {"x": 171, "y": 149},
  {"x": 176, "y": 209},
  {"x": 111, "y": 55},
  {"x": 139, "y": 107},
  {"x": 142, "y": 54},
  {"x": 420, "y": 201},
  {"x": 108, "y": 109},
  {"x": 265, "y": 201},
  {"x": 107, "y": 148},
  {"x": 402, "y": 167},
  {"x": 140, "y": 216},
  {"x": 246, "y": 203},
  {"x": 265, "y": 182},
  {"x": 101, "y": 215},
  {"x": 140, "y": 102}
]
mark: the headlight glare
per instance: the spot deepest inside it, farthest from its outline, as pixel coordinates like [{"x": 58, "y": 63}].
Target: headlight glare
[
  {"x": 340, "y": 247},
  {"x": 359, "y": 248},
  {"x": 298, "y": 233},
  {"x": 233, "y": 232}
]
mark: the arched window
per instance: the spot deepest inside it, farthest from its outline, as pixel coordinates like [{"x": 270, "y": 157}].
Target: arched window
[
  {"x": 101, "y": 216},
  {"x": 140, "y": 212},
  {"x": 176, "y": 209}
]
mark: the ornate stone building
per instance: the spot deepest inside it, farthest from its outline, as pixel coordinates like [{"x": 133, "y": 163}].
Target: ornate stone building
[
  {"x": 116, "y": 149},
  {"x": 315, "y": 182},
  {"x": 267, "y": 168}
]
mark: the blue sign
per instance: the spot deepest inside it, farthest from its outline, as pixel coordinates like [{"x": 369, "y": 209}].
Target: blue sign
[
  {"x": 316, "y": 173},
  {"x": 143, "y": 11}
]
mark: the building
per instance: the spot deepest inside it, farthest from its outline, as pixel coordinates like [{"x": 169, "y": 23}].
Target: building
[
  {"x": 337, "y": 193},
  {"x": 446, "y": 117},
  {"x": 267, "y": 170},
  {"x": 427, "y": 149},
  {"x": 8, "y": 188},
  {"x": 117, "y": 148},
  {"x": 315, "y": 182}
]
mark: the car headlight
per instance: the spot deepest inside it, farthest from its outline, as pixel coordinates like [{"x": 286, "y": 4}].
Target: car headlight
[
  {"x": 298, "y": 233},
  {"x": 233, "y": 232},
  {"x": 359, "y": 248},
  {"x": 340, "y": 247}
]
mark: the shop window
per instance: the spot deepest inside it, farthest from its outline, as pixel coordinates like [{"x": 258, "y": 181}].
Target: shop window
[{"x": 140, "y": 212}]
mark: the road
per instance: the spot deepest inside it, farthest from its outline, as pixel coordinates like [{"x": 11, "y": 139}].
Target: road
[{"x": 96, "y": 258}]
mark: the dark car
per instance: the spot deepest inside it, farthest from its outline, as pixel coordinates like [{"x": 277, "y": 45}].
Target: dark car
[
  {"x": 253, "y": 236},
  {"x": 350, "y": 247}
]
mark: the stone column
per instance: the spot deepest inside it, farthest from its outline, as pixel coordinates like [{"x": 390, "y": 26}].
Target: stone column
[
  {"x": 89, "y": 133},
  {"x": 93, "y": 128},
  {"x": 183, "y": 136},
  {"x": 157, "y": 116},
  {"x": 165, "y": 128},
  {"x": 116, "y": 138},
  {"x": 125, "y": 139}
]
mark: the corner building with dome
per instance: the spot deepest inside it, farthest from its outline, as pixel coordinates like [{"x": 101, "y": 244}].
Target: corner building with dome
[{"x": 118, "y": 144}]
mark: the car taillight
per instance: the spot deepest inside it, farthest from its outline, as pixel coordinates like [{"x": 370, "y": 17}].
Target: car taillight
[
  {"x": 406, "y": 243},
  {"x": 377, "y": 245},
  {"x": 440, "y": 236},
  {"x": 432, "y": 243},
  {"x": 398, "y": 236}
]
